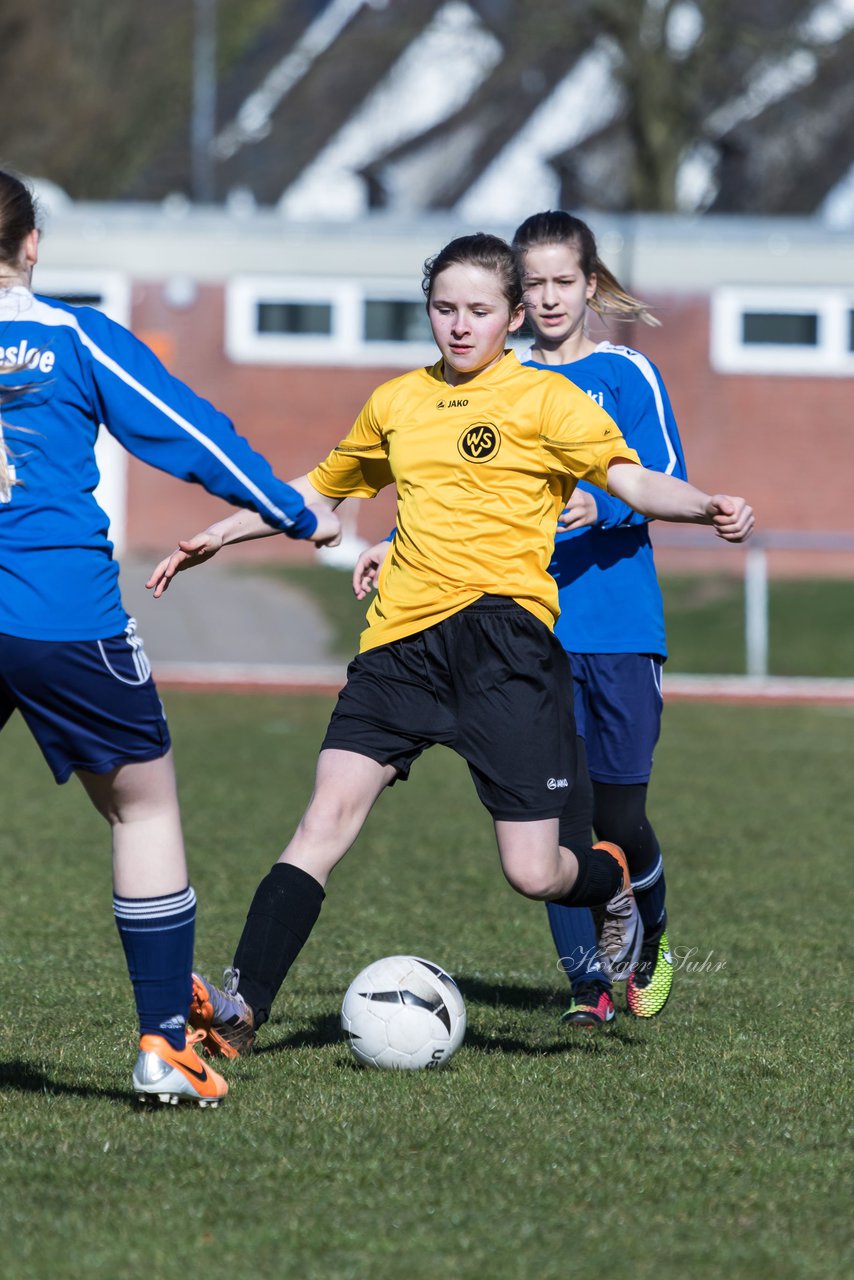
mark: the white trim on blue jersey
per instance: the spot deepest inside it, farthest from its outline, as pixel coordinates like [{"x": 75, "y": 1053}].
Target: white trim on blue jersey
[
  {"x": 78, "y": 370},
  {"x": 56, "y": 314},
  {"x": 610, "y": 599},
  {"x": 651, "y": 375}
]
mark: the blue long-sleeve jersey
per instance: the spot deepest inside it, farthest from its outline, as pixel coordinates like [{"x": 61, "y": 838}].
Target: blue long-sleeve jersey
[
  {"x": 65, "y": 372},
  {"x": 610, "y": 600}
]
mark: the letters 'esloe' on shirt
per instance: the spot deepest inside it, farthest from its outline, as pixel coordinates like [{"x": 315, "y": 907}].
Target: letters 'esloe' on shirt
[
  {"x": 482, "y": 472},
  {"x": 75, "y": 370}
]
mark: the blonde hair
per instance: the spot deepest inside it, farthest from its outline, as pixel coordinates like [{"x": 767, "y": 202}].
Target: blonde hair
[
  {"x": 557, "y": 227},
  {"x": 7, "y": 473},
  {"x": 8, "y": 479}
]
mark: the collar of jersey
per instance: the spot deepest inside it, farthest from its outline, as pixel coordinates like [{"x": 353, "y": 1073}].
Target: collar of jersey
[
  {"x": 505, "y": 368},
  {"x": 13, "y": 299}
]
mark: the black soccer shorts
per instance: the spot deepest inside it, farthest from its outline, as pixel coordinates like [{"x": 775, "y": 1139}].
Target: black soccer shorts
[{"x": 492, "y": 683}]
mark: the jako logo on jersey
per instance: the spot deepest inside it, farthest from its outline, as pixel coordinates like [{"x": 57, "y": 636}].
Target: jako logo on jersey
[
  {"x": 451, "y": 404},
  {"x": 555, "y": 784},
  {"x": 27, "y": 357},
  {"x": 599, "y": 397},
  {"x": 479, "y": 442}
]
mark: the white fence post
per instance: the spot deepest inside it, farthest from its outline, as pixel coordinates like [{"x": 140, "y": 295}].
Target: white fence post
[{"x": 756, "y": 610}]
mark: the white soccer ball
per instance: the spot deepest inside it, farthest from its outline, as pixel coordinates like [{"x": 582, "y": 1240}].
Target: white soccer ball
[{"x": 403, "y": 1012}]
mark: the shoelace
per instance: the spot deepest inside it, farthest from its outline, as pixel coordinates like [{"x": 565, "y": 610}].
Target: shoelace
[
  {"x": 612, "y": 937},
  {"x": 587, "y": 994},
  {"x": 229, "y": 1003}
]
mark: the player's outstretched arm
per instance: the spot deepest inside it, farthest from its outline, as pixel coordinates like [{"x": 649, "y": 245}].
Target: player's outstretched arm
[
  {"x": 188, "y": 553},
  {"x": 242, "y": 526},
  {"x": 663, "y": 497},
  {"x": 367, "y": 569}
]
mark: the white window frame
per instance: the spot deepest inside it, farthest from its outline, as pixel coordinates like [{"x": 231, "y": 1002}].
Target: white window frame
[
  {"x": 829, "y": 357},
  {"x": 113, "y": 287},
  {"x": 344, "y": 345},
  {"x": 114, "y": 290}
]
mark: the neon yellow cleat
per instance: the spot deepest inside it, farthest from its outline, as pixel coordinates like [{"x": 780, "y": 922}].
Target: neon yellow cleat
[{"x": 652, "y": 979}]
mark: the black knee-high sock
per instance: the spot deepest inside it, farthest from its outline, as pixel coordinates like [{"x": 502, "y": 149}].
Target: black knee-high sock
[
  {"x": 599, "y": 877},
  {"x": 283, "y": 913}
]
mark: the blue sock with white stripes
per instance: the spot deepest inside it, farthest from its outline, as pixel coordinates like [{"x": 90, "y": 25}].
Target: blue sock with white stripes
[
  {"x": 574, "y": 935},
  {"x": 157, "y": 935},
  {"x": 649, "y": 889}
]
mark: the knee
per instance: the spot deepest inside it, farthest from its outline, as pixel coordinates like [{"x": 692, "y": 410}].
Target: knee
[
  {"x": 321, "y": 822},
  {"x": 532, "y": 882},
  {"x": 329, "y": 816}
]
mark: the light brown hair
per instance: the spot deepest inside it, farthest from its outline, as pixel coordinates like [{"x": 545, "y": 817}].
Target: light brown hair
[{"x": 555, "y": 226}]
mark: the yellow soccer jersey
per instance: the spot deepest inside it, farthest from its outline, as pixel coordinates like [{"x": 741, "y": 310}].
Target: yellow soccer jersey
[{"x": 482, "y": 471}]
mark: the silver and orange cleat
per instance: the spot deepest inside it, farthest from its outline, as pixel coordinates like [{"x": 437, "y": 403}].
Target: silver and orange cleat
[
  {"x": 618, "y": 923},
  {"x": 167, "y": 1075},
  {"x": 223, "y": 1016}
]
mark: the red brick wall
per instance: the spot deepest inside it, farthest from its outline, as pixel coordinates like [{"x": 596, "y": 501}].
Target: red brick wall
[
  {"x": 787, "y": 444},
  {"x": 293, "y": 416}
]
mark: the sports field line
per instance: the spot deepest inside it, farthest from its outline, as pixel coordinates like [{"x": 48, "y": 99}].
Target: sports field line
[
  {"x": 758, "y": 689},
  {"x": 330, "y": 677},
  {"x": 251, "y": 677}
]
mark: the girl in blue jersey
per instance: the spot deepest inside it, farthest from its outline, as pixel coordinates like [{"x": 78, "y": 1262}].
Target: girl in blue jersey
[
  {"x": 70, "y": 659},
  {"x": 611, "y": 614}
]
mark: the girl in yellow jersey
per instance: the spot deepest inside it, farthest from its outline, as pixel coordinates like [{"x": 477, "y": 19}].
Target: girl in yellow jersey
[{"x": 459, "y": 647}]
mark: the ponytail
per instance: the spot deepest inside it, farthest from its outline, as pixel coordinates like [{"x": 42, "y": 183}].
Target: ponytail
[
  {"x": 7, "y": 472},
  {"x": 8, "y": 478}
]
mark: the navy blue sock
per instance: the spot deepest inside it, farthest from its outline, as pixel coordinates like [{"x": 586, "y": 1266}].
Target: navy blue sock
[
  {"x": 649, "y": 890},
  {"x": 574, "y": 934},
  {"x": 157, "y": 935}
]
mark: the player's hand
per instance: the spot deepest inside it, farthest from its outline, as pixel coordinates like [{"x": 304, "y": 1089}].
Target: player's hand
[
  {"x": 188, "y": 553},
  {"x": 367, "y": 569},
  {"x": 732, "y": 518},
  {"x": 581, "y": 510},
  {"x": 328, "y": 531}
]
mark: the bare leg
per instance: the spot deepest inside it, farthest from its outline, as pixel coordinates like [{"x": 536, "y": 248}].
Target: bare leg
[
  {"x": 154, "y": 904},
  {"x": 346, "y": 788},
  {"x": 140, "y": 802},
  {"x": 287, "y": 902},
  {"x": 533, "y": 861}
]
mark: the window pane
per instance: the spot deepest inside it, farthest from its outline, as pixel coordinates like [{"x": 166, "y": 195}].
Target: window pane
[
  {"x": 387, "y": 321},
  {"x": 784, "y": 328},
  {"x": 295, "y": 317},
  {"x": 79, "y": 299}
]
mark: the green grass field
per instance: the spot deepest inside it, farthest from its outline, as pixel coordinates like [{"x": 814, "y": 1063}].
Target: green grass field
[
  {"x": 713, "y": 1142},
  {"x": 811, "y": 622},
  {"x": 810, "y": 626}
]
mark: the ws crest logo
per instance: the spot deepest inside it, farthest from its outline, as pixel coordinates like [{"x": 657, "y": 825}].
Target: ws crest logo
[{"x": 479, "y": 442}]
